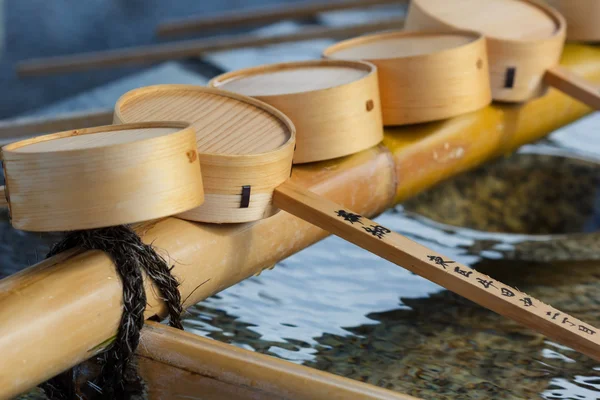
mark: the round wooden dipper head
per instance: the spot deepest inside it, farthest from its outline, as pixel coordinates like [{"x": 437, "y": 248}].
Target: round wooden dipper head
[
  {"x": 524, "y": 38},
  {"x": 423, "y": 76},
  {"x": 333, "y": 104},
  {"x": 104, "y": 176},
  {"x": 245, "y": 146}
]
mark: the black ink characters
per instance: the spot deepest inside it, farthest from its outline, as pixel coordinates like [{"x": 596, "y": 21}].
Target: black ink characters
[
  {"x": 377, "y": 230},
  {"x": 348, "y": 216},
  {"x": 440, "y": 261}
]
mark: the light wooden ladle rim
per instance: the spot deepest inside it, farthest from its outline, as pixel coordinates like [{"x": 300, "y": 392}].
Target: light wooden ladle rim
[
  {"x": 559, "y": 22},
  {"x": 379, "y": 36},
  {"x": 362, "y": 65},
  {"x": 281, "y": 117},
  {"x": 97, "y": 129}
]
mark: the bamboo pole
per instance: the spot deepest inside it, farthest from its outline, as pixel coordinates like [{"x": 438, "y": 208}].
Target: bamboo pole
[
  {"x": 263, "y": 15},
  {"x": 190, "y": 48},
  {"x": 22, "y": 127},
  {"x": 272, "y": 377},
  {"x": 61, "y": 311}
]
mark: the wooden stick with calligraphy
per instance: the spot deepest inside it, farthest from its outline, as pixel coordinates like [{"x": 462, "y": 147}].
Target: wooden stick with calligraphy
[{"x": 433, "y": 266}]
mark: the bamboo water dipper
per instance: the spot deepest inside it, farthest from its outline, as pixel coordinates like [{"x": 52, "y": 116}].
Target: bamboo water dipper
[
  {"x": 525, "y": 39},
  {"x": 383, "y": 242},
  {"x": 103, "y": 176},
  {"x": 333, "y": 104},
  {"x": 423, "y": 76},
  {"x": 245, "y": 146}
]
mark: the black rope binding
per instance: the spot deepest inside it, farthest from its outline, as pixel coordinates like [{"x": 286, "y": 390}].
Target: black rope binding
[{"x": 118, "y": 378}]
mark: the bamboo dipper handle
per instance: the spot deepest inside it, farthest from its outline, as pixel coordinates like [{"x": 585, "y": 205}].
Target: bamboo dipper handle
[
  {"x": 433, "y": 266},
  {"x": 573, "y": 85}
]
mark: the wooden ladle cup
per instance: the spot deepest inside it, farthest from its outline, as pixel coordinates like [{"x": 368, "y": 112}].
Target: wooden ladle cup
[{"x": 103, "y": 176}]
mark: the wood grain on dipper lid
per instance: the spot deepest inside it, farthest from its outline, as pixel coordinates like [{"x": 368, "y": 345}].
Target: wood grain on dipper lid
[
  {"x": 224, "y": 123},
  {"x": 400, "y": 44},
  {"x": 289, "y": 78},
  {"x": 500, "y": 19}
]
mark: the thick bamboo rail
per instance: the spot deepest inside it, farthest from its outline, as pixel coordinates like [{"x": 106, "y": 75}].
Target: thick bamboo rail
[
  {"x": 190, "y": 48},
  {"x": 254, "y": 375},
  {"x": 261, "y": 15},
  {"x": 59, "y": 312}
]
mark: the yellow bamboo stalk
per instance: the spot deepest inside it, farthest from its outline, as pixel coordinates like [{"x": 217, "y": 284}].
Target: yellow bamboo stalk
[
  {"x": 263, "y": 15},
  {"x": 60, "y": 311}
]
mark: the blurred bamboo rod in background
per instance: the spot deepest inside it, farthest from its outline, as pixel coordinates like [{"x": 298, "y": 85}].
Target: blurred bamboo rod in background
[
  {"x": 261, "y": 15},
  {"x": 190, "y": 48}
]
